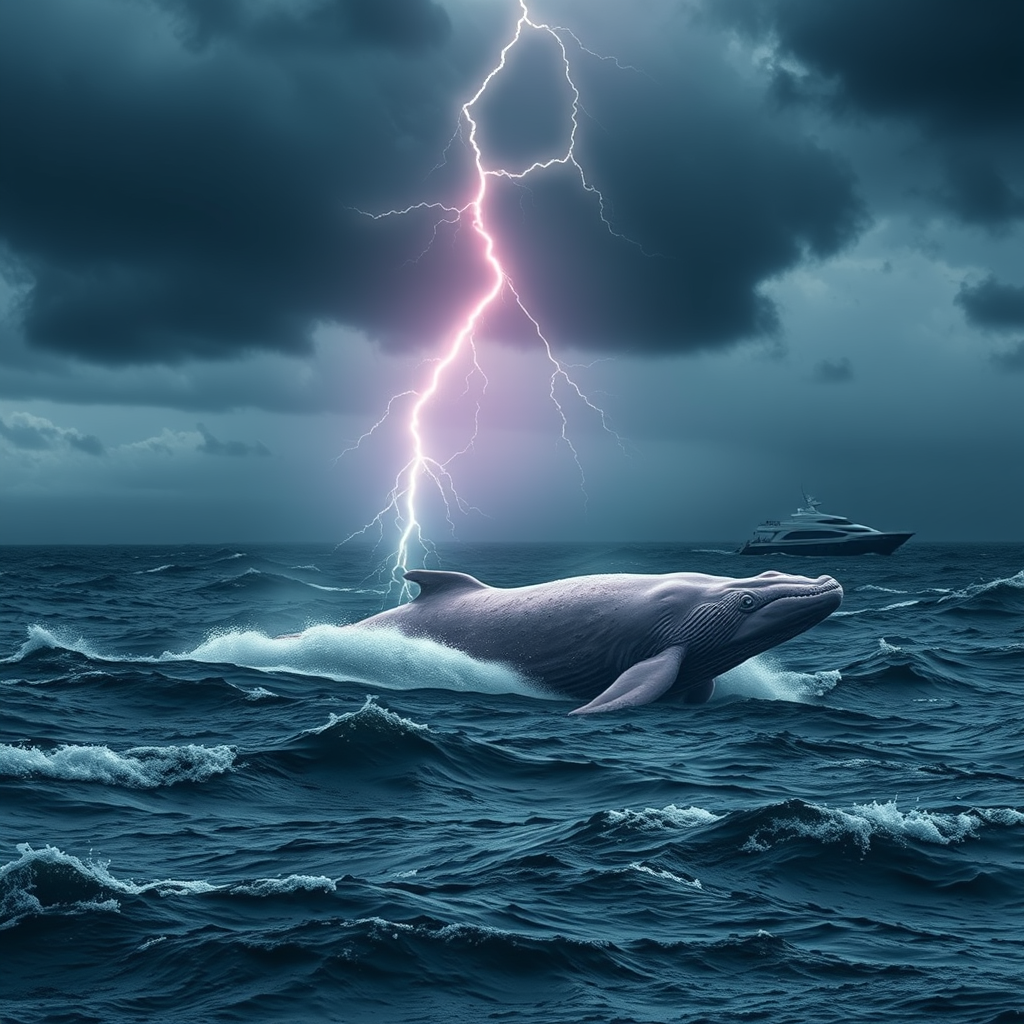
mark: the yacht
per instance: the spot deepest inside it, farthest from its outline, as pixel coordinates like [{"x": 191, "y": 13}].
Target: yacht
[{"x": 811, "y": 532}]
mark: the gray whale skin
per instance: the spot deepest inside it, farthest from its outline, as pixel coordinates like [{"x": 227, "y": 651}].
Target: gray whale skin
[{"x": 618, "y": 640}]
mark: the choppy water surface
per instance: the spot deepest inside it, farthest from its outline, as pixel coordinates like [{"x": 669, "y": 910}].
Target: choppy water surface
[{"x": 207, "y": 819}]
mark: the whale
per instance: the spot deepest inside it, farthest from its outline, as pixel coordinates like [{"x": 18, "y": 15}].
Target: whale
[{"x": 616, "y": 640}]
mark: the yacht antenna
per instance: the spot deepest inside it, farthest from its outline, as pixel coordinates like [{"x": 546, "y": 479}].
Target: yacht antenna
[{"x": 811, "y": 502}]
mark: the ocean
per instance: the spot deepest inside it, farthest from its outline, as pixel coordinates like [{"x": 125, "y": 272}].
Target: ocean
[{"x": 205, "y": 818}]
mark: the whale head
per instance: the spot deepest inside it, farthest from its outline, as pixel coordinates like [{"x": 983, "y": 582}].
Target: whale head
[{"x": 738, "y": 618}]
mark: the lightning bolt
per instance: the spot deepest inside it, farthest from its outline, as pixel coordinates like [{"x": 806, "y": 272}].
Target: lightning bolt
[{"x": 423, "y": 467}]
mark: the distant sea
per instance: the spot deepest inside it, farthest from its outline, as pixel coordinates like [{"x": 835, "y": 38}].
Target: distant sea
[{"x": 203, "y": 819}]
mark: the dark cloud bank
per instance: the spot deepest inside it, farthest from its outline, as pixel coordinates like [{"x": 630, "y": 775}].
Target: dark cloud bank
[{"x": 180, "y": 179}]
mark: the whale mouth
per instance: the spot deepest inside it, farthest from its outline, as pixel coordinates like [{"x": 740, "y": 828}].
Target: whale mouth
[
  {"x": 795, "y": 609},
  {"x": 824, "y": 585},
  {"x": 820, "y": 599}
]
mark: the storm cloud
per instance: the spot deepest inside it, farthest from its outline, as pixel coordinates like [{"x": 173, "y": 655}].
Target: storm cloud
[
  {"x": 992, "y": 305},
  {"x": 953, "y": 72},
  {"x": 182, "y": 181}
]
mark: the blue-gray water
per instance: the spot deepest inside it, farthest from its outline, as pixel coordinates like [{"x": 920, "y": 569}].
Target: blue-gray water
[{"x": 203, "y": 820}]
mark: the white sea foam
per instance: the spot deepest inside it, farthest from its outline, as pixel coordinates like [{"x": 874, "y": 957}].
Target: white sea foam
[
  {"x": 863, "y": 822},
  {"x": 667, "y": 876},
  {"x": 377, "y": 657},
  {"x": 259, "y": 693},
  {"x": 664, "y": 817},
  {"x": 285, "y": 886},
  {"x": 40, "y": 638},
  {"x": 764, "y": 678},
  {"x": 136, "y": 768},
  {"x": 887, "y": 648},
  {"x": 882, "y": 590},
  {"x": 1001, "y": 816},
  {"x": 1016, "y": 582},
  {"x": 884, "y": 608}
]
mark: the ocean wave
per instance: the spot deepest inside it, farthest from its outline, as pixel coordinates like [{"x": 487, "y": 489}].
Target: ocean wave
[
  {"x": 371, "y": 713},
  {"x": 903, "y": 664},
  {"x": 50, "y": 881},
  {"x": 478, "y": 947},
  {"x": 266, "y": 887},
  {"x": 169, "y": 569},
  {"x": 863, "y": 823},
  {"x": 43, "y": 638},
  {"x": 371, "y": 737},
  {"x": 135, "y": 768},
  {"x": 1005, "y": 594},
  {"x": 670, "y": 817}
]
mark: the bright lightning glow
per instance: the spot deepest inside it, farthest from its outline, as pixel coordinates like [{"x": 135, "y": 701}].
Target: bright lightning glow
[{"x": 423, "y": 467}]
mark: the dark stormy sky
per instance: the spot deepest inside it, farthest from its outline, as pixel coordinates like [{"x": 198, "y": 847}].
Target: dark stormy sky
[{"x": 807, "y": 270}]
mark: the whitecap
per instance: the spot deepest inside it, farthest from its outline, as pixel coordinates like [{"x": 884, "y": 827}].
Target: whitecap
[
  {"x": 285, "y": 886},
  {"x": 41, "y": 638},
  {"x": 370, "y": 712},
  {"x": 863, "y": 822},
  {"x": 664, "y": 817},
  {"x": 136, "y": 768},
  {"x": 973, "y": 590},
  {"x": 18, "y": 880}
]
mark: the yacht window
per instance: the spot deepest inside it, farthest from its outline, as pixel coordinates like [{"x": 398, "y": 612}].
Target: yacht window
[{"x": 812, "y": 534}]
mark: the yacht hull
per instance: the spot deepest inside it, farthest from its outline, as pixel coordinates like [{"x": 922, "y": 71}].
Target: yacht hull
[{"x": 870, "y": 544}]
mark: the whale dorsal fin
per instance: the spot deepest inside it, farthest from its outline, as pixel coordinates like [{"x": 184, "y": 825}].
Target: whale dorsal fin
[{"x": 432, "y": 581}]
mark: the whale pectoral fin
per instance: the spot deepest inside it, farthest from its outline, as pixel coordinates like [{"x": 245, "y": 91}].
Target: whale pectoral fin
[{"x": 639, "y": 684}]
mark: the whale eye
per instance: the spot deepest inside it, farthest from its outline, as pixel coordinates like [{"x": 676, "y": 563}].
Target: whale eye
[{"x": 747, "y": 602}]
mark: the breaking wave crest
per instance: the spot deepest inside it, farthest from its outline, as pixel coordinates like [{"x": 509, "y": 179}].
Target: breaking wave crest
[
  {"x": 50, "y": 881},
  {"x": 135, "y": 768}
]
